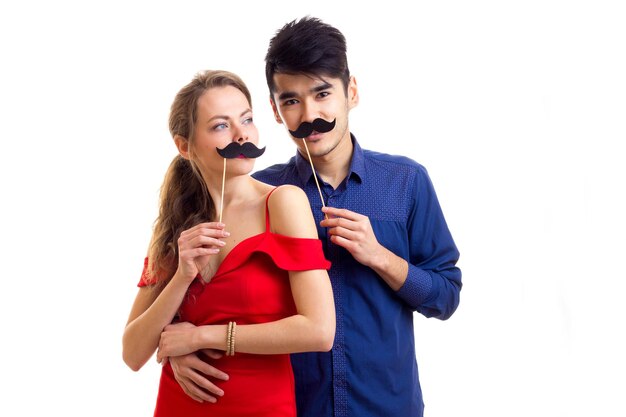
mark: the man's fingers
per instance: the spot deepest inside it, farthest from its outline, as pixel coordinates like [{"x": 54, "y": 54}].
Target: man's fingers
[
  {"x": 333, "y": 211},
  {"x": 344, "y": 233},
  {"x": 195, "y": 392},
  {"x": 203, "y": 384},
  {"x": 212, "y": 353},
  {"x": 211, "y": 371}
]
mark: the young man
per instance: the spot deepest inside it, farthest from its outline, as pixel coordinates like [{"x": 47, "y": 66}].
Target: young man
[{"x": 382, "y": 229}]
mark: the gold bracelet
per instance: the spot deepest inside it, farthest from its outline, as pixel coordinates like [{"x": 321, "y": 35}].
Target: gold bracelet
[
  {"x": 229, "y": 336},
  {"x": 232, "y": 339}
]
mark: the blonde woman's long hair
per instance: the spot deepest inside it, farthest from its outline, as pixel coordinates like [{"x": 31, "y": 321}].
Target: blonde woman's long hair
[{"x": 184, "y": 197}]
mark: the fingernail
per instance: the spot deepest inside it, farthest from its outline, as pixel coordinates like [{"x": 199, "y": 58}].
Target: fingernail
[{"x": 225, "y": 233}]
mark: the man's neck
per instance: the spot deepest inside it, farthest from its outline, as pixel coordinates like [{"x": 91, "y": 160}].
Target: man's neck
[{"x": 334, "y": 167}]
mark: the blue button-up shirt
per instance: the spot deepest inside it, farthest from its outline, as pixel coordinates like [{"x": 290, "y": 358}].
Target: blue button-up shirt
[{"x": 372, "y": 369}]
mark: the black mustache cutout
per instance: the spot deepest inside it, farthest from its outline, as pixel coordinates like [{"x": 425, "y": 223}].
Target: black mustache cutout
[
  {"x": 234, "y": 149},
  {"x": 318, "y": 125}
]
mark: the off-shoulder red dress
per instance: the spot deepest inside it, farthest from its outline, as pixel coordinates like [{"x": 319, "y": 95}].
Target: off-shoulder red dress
[{"x": 250, "y": 286}]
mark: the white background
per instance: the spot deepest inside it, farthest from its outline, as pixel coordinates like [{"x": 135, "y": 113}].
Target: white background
[{"x": 515, "y": 107}]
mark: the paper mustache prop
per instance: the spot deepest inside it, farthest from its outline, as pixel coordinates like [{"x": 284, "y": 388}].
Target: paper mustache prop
[
  {"x": 235, "y": 150},
  {"x": 317, "y": 125}
]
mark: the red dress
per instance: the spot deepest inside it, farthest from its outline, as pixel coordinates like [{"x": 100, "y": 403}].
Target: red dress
[{"x": 250, "y": 286}]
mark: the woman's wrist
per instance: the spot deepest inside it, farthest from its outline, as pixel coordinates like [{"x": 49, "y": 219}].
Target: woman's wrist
[
  {"x": 212, "y": 337},
  {"x": 180, "y": 279}
]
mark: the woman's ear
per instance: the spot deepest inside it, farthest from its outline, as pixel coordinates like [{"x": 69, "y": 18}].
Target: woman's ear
[{"x": 183, "y": 146}]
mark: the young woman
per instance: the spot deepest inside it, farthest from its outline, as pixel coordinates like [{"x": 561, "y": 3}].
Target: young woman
[{"x": 253, "y": 286}]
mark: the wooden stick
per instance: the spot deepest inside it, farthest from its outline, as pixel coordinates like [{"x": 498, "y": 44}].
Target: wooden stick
[
  {"x": 315, "y": 176},
  {"x": 222, "y": 197}
]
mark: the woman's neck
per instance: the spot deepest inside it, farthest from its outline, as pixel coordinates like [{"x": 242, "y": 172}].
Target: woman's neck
[{"x": 237, "y": 190}]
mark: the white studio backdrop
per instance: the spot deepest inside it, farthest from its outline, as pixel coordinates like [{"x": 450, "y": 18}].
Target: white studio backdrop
[{"x": 515, "y": 108}]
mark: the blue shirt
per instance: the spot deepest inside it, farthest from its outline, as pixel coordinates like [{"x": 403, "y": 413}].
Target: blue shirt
[{"x": 371, "y": 369}]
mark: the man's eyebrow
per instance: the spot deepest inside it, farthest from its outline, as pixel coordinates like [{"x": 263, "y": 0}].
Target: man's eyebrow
[
  {"x": 285, "y": 95},
  {"x": 321, "y": 87},
  {"x": 291, "y": 94}
]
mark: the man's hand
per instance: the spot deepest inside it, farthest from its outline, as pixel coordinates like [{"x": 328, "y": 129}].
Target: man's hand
[
  {"x": 192, "y": 373},
  {"x": 353, "y": 232}
]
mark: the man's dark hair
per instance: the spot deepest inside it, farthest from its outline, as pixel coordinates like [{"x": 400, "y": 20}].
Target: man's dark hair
[{"x": 307, "y": 46}]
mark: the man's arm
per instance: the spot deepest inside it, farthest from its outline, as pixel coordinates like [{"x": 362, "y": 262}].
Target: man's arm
[
  {"x": 433, "y": 283},
  {"x": 429, "y": 281}
]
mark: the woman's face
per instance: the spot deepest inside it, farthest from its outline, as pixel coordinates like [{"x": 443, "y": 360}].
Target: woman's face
[{"x": 223, "y": 116}]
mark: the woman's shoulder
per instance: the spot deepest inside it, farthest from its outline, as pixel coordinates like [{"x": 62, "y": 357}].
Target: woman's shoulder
[
  {"x": 290, "y": 212},
  {"x": 286, "y": 194}
]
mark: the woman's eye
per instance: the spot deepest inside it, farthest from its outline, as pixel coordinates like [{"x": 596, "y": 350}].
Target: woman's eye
[
  {"x": 220, "y": 126},
  {"x": 247, "y": 121}
]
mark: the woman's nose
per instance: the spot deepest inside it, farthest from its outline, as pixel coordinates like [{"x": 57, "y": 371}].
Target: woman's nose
[{"x": 240, "y": 135}]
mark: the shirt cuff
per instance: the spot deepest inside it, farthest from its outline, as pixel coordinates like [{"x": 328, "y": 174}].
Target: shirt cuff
[{"x": 417, "y": 287}]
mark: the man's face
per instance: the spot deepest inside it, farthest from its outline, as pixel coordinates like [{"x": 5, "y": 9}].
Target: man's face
[{"x": 304, "y": 98}]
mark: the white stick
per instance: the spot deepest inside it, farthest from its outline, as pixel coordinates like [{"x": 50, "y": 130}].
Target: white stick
[
  {"x": 314, "y": 175},
  {"x": 222, "y": 196}
]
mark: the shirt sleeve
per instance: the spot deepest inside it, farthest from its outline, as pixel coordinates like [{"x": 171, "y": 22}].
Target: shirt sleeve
[
  {"x": 295, "y": 254},
  {"x": 433, "y": 283},
  {"x": 143, "y": 280}
]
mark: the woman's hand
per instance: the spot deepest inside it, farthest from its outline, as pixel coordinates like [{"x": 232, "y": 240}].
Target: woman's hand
[
  {"x": 196, "y": 246},
  {"x": 177, "y": 339}
]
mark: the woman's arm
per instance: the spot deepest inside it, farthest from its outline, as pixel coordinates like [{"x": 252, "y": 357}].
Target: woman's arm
[
  {"x": 153, "y": 310},
  {"x": 312, "y": 328}
]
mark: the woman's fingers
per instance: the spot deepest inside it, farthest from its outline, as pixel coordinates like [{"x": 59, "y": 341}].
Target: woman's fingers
[
  {"x": 201, "y": 236},
  {"x": 207, "y": 229}
]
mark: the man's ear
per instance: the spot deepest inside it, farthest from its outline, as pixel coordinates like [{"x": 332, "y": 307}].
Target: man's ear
[
  {"x": 353, "y": 93},
  {"x": 183, "y": 146},
  {"x": 275, "y": 110}
]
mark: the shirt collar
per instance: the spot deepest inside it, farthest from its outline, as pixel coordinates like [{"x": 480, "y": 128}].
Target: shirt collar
[{"x": 357, "y": 164}]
